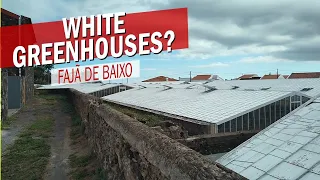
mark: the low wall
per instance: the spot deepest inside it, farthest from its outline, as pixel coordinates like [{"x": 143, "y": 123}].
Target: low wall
[
  {"x": 130, "y": 150},
  {"x": 217, "y": 143}
]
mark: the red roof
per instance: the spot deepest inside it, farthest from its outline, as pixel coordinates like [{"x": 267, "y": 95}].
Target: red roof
[
  {"x": 159, "y": 79},
  {"x": 13, "y": 15},
  {"x": 201, "y": 77},
  {"x": 270, "y": 76},
  {"x": 247, "y": 76},
  {"x": 304, "y": 75}
]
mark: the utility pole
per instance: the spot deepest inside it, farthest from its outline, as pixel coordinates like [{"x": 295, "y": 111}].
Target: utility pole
[
  {"x": 127, "y": 80},
  {"x": 19, "y": 34},
  {"x": 190, "y": 76},
  {"x": 277, "y": 73}
]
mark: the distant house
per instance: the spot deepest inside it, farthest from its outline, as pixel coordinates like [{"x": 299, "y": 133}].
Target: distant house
[
  {"x": 304, "y": 75},
  {"x": 249, "y": 77},
  {"x": 207, "y": 77},
  {"x": 273, "y": 76},
  {"x": 285, "y": 76},
  {"x": 160, "y": 79},
  {"x": 184, "y": 79}
]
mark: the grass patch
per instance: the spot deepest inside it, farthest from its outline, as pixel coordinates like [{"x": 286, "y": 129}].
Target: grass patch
[
  {"x": 77, "y": 128},
  {"x": 83, "y": 162},
  {"x": 6, "y": 124},
  {"x": 51, "y": 99},
  {"x": 28, "y": 156},
  {"x": 67, "y": 107},
  {"x": 80, "y": 161},
  {"x": 85, "y": 167},
  {"x": 43, "y": 127}
]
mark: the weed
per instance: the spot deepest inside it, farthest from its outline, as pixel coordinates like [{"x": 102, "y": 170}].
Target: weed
[
  {"x": 84, "y": 165},
  {"x": 6, "y": 124},
  {"x": 149, "y": 119},
  {"x": 28, "y": 156}
]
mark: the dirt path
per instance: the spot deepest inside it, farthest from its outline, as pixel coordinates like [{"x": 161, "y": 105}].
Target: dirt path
[
  {"x": 23, "y": 118},
  {"x": 58, "y": 167},
  {"x": 46, "y": 141},
  {"x": 53, "y": 106}
]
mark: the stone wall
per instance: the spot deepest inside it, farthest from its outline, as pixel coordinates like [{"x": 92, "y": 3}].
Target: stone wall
[
  {"x": 193, "y": 128},
  {"x": 171, "y": 130},
  {"x": 28, "y": 74},
  {"x": 130, "y": 150},
  {"x": 28, "y": 80},
  {"x": 217, "y": 143},
  {"x": 4, "y": 94}
]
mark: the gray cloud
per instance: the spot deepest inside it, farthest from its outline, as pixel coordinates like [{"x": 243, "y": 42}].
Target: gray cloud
[
  {"x": 283, "y": 29},
  {"x": 309, "y": 52},
  {"x": 292, "y": 24}
]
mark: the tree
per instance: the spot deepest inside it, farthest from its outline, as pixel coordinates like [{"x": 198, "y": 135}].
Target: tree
[{"x": 42, "y": 74}]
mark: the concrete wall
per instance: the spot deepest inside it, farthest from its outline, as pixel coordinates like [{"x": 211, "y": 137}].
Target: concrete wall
[
  {"x": 217, "y": 143},
  {"x": 130, "y": 150}
]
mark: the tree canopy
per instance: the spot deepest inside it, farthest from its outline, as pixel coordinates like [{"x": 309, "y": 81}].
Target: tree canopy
[{"x": 42, "y": 74}]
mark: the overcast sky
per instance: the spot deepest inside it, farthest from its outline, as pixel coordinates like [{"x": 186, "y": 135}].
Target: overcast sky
[{"x": 226, "y": 37}]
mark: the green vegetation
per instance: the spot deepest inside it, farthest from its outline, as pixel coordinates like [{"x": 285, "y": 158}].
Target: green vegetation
[
  {"x": 147, "y": 118},
  {"x": 6, "y": 124},
  {"x": 11, "y": 119},
  {"x": 77, "y": 129},
  {"x": 51, "y": 99},
  {"x": 42, "y": 74},
  {"x": 85, "y": 168},
  {"x": 80, "y": 161},
  {"x": 28, "y": 157},
  {"x": 83, "y": 163}
]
